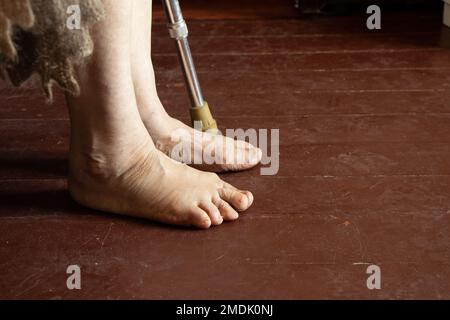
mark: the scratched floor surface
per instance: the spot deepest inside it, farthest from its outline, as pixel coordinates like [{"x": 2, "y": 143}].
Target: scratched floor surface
[{"x": 364, "y": 169}]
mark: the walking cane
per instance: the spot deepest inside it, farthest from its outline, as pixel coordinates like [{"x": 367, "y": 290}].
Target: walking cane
[{"x": 179, "y": 32}]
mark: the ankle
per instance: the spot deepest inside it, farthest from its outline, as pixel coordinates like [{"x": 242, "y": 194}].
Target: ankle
[
  {"x": 157, "y": 122},
  {"x": 109, "y": 161}
]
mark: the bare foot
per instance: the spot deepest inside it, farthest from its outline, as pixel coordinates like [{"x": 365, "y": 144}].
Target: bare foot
[
  {"x": 143, "y": 182},
  {"x": 164, "y": 129},
  {"x": 206, "y": 151},
  {"x": 114, "y": 164}
]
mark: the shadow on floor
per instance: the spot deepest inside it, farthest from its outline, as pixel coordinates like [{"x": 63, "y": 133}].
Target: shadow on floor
[{"x": 33, "y": 165}]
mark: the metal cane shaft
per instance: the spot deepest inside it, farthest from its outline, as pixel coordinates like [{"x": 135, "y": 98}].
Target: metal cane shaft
[{"x": 179, "y": 32}]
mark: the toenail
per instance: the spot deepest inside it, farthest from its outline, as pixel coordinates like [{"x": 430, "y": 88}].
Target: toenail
[
  {"x": 254, "y": 155},
  {"x": 249, "y": 196},
  {"x": 243, "y": 201},
  {"x": 206, "y": 223}
]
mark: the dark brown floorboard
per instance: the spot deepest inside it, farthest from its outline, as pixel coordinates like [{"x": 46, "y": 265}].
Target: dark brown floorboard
[{"x": 364, "y": 168}]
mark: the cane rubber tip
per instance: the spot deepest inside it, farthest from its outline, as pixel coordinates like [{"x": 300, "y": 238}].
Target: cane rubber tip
[{"x": 204, "y": 115}]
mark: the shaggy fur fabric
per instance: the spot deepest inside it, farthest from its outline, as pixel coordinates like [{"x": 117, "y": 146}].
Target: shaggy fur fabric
[{"x": 34, "y": 38}]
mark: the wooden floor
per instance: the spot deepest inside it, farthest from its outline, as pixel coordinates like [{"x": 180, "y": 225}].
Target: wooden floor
[{"x": 364, "y": 170}]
